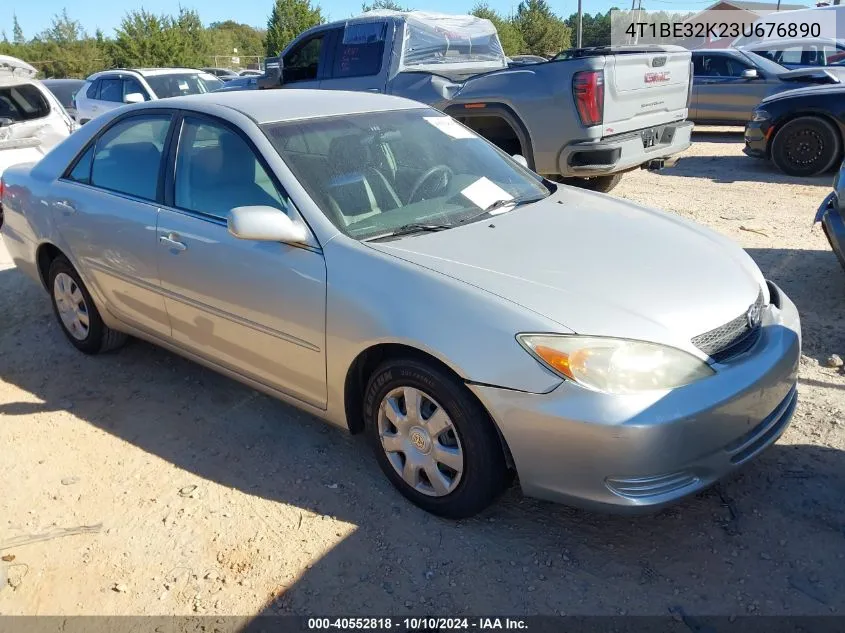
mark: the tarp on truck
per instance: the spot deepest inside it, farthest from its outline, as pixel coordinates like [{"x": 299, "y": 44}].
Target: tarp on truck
[{"x": 433, "y": 39}]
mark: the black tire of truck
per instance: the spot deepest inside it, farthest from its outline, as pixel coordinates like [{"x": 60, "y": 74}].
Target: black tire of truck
[{"x": 602, "y": 184}]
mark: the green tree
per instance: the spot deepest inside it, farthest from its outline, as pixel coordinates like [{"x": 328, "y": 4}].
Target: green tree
[
  {"x": 288, "y": 19},
  {"x": 509, "y": 35},
  {"x": 17, "y": 32},
  {"x": 146, "y": 39},
  {"x": 229, "y": 35},
  {"x": 543, "y": 31},
  {"x": 391, "y": 5}
]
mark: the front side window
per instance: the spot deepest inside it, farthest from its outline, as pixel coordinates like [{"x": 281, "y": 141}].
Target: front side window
[
  {"x": 302, "y": 63},
  {"x": 216, "y": 171},
  {"x": 722, "y": 66},
  {"x": 127, "y": 157},
  {"x": 360, "y": 50},
  {"x": 132, "y": 86},
  {"x": 111, "y": 89},
  {"x": 180, "y": 84},
  {"x": 374, "y": 173},
  {"x": 23, "y": 102}
]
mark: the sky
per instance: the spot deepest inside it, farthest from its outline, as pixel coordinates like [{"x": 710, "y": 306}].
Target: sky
[{"x": 35, "y": 15}]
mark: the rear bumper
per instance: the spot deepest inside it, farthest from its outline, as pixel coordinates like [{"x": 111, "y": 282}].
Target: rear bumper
[
  {"x": 615, "y": 154},
  {"x": 630, "y": 453}
]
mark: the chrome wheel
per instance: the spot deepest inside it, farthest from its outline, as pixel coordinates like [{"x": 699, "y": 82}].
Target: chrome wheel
[
  {"x": 71, "y": 306},
  {"x": 420, "y": 441}
]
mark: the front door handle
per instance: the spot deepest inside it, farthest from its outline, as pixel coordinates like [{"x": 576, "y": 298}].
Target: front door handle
[{"x": 171, "y": 240}]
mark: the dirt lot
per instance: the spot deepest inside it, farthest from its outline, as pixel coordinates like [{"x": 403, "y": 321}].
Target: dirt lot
[{"x": 211, "y": 498}]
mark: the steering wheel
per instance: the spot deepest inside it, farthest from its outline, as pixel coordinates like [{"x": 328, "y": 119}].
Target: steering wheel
[{"x": 444, "y": 175}]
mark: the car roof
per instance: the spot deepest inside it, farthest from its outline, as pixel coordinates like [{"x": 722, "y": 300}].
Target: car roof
[
  {"x": 57, "y": 82},
  {"x": 269, "y": 106},
  {"x": 144, "y": 72},
  {"x": 781, "y": 42}
]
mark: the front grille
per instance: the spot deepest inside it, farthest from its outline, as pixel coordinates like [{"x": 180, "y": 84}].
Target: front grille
[{"x": 732, "y": 338}]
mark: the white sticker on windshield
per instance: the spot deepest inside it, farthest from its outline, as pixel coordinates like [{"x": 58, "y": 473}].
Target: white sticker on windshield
[
  {"x": 448, "y": 125},
  {"x": 484, "y": 192}
]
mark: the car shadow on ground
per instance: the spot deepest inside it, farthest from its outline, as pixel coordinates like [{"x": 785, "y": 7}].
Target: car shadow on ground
[
  {"x": 728, "y": 169},
  {"x": 769, "y": 539}
]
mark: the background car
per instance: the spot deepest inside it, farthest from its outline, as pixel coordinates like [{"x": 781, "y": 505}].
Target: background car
[
  {"x": 729, "y": 83},
  {"x": 32, "y": 120},
  {"x": 224, "y": 74},
  {"x": 65, "y": 91},
  {"x": 799, "y": 53},
  {"x": 111, "y": 89},
  {"x": 374, "y": 262},
  {"x": 831, "y": 214},
  {"x": 801, "y": 131},
  {"x": 249, "y": 82}
]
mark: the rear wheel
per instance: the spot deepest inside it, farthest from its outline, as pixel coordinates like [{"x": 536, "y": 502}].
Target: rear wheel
[
  {"x": 602, "y": 184},
  {"x": 75, "y": 310},
  {"x": 805, "y": 146},
  {"x": 432, "y": 439}
]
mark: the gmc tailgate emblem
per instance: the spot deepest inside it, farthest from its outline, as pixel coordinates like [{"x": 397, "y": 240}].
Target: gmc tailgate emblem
[{"x": 652, "y": 78}]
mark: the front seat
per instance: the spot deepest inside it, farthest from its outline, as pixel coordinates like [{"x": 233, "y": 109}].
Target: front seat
[{"x": 357, "y": 189}]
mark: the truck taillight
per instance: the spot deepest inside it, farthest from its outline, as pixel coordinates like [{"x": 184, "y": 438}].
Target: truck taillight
[{"x": 588, "y": 88}]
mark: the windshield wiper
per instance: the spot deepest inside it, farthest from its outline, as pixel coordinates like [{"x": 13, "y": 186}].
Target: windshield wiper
[
  {"x": 410, "y": 229},
  {"x": 509, "y": 202}
]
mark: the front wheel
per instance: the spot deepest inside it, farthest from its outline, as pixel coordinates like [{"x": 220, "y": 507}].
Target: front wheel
[
  {"x": 75, "y": 310},
  {"x": 432, "y": 439},
  {"x": 805, "y": 146}
]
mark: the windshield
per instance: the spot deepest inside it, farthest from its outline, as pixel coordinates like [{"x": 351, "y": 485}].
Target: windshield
[
  {"x": 180, "y": 84},
  {"x": 764, "y": 63},
  {"x": 377, "y": 173}
]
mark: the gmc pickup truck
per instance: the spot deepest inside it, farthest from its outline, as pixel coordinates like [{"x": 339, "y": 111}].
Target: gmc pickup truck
[{"x": 585, "y": 119}]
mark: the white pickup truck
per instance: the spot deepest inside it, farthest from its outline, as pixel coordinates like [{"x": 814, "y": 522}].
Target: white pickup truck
[{"x": 584, "y": 118}]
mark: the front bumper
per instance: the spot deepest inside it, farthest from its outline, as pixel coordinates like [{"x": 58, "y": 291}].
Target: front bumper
[
  {"x": 757, "y": 139},
  {"x": 833, "y": 224},
  {"x": 623, "y": 453},
  {"x": 620, "y": 153}
]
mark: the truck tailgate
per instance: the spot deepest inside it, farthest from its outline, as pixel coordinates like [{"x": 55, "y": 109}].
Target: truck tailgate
[{"x": 645, "y": 89}]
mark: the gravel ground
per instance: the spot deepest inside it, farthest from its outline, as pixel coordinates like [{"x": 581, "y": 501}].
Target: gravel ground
[{"x": 140, "y": 483}]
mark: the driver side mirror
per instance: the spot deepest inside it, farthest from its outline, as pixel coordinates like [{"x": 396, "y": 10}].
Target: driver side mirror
[
  {"x": 273, "y": 76},
  {"x": 134, "y": 97},
  {"x": 265, "y": 224},
  {"x": 750, "y": 73},
  {"x": 521, "y": 160}
]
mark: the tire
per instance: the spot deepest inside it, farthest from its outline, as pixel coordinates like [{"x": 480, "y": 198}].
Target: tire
[
  {"x": 806, "y": 146},
  {"x": 97, "y": 337},
  {"x": 483, "y": 475},
  {"x": 602, "y": 184}
]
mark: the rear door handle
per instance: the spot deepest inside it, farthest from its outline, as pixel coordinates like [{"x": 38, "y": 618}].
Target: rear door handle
[
  {"x": 171, "y": 240},
  {"x": 66, "y": 207}
]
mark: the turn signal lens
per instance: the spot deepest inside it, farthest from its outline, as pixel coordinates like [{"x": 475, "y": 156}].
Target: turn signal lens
[{"x": 617, "y": 366}]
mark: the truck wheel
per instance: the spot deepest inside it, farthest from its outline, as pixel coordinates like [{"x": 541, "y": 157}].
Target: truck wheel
[
  {"x": 805, "y": 146},
  {"x": 602, "y": 184}
]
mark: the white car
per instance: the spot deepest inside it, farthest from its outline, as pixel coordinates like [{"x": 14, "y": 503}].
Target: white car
[
  {"x": 32, "y": 120},
  {"x": 111, "y": 89}
]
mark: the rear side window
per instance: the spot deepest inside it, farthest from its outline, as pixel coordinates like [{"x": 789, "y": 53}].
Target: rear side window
[
  {"x": 81, "y": 172},
  {"x": 360, "y": 50},
  {"x": 93, "y": 89},
  {"x": 23, "y": 103},
  {"x": 127, "y": 157}
]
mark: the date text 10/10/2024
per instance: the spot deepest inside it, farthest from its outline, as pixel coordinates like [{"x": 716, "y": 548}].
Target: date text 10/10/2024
[{"x": 417, "y": 624}]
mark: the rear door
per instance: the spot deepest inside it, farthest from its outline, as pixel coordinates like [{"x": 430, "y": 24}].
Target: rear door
[{"x": 645, "y": 89}]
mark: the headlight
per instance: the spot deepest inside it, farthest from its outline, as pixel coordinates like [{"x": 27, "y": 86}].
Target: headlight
[
  {"x": 761, "y": 115},
  {"x": 614, "y": 365}
]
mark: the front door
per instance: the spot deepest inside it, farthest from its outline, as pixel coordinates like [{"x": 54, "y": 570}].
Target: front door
[
  {"x": 257, "y": 308},
  {"x": 721, "y": 93},
  {"x": 106, "y": 209},
  {"x": 304, "y": 65}
]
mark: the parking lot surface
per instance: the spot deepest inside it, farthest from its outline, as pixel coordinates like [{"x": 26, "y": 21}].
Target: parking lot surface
[{"x": 140, "y": 483}]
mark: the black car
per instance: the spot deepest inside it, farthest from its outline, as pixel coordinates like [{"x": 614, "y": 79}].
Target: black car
[
  {"x": 65, "y": 90},
  {"x": 831, "y": 214},
  {"x": 801, "y": 130}
]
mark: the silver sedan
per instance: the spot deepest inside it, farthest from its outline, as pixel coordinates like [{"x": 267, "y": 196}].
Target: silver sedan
[{"x": 372, "y": 261}]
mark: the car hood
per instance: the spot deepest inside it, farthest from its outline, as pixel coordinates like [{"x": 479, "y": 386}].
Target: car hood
[
  {"x": 597, "y": 265},
  {"x": 813, "y": 90}
]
